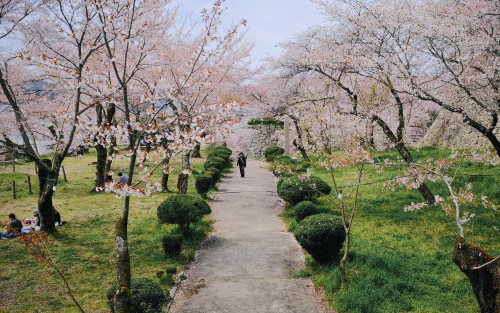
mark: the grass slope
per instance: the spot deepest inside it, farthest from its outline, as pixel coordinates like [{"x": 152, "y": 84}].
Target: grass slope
[
  {"x": 401, "y": 261},
  {"x": 84, "y": 248}
]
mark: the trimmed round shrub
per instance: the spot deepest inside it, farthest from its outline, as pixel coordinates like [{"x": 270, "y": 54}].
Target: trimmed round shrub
[
  {"x": 202, "y": 184},
  {"x": 273, "y": 151},
  {"x": 304, "y": 209},
  {"x": 322, "y": 236},
  {"x": 214, "y": 173},
  {"x": 182, "y": 209},
  {"x": 221, "y": 152},
  {"x": 218, "y": 160},
  {"x": 294, "y": 189},
  {"x": 220, "y": 165},
  {"x": 147, "y": 296},
  {"x": 284, "y": 160},
  {"x": 172, "y": 244}
]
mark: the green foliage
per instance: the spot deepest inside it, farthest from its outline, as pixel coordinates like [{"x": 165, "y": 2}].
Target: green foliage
[
  {"x": 220, "y": 165},
  {"x": 321, "y": 235},
  {"x": 304, "y": 209},
  {"x": 214, "y": 173},
  {"x": 203, "y": 183},
  {"x": 283, "y": 160},
  {"x": 172, "y": 244},
  {"x": 273, "y": 151},
  {"x": 217, "y": 159},
  {"x": 182, "y": 209},
  {"x": 221, "y": 152},
  {"x": 295, "y": 189},
  {"x": 266, "y": 122},
  {"x": 147, "y": 296}
]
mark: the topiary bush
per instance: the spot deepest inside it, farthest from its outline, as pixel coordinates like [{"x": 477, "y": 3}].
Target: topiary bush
[
  {"x": 304, "y": 209},
  {"x": 214, "y": 173},
  {"x": 218, "y": 160},
  {"x": 172, "y": 244},
  {"x": 294, "y": 189},
  {"x": 284, "y": 160},
  {"x": 220, "y": 165},
  {"x": 182, "y": 209},
  {"x": 273, "y": 151},
  {"x": 322, "y": 236},
  {"x": 202, "y": 184},
  {"x": 222, "y": 152},
  {"x": 147, "y": 296}
]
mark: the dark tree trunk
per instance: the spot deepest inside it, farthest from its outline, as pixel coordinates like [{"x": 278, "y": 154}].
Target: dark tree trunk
[
  {"x": 123, "y": 294},
  {"x": 299, "y": 143},
  {"x": 165, "y": 175},
  {"x": 196, "y": 151},
  {"x": 406, "y": 155},
  {"x": 47, "y": 180},
  {"x": 101, "y": 173},
  {"x": 103, "y": 165},
  {"x": 182, "y": 183},
  {"x": 485, "y": 280}
]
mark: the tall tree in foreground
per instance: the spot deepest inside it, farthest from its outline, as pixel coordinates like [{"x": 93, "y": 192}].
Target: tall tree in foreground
[{"x": 44, "y": 84}]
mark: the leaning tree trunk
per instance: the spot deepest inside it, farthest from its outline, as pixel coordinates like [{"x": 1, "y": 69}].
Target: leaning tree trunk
[
  {"x": 406, "y": 155},
  {"x": 483, "y": 272},
  {"x": 47, "y": 180}
]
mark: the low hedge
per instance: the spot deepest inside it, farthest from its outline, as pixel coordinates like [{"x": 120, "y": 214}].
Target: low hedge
[
  {"x": 214, "y": 173},
  {"x": 322, "y": 236},
  {"x": 172, "y": 244},
  {"x": 304, "y": 209},
  {"x": 182, "y": 209},
  {"x": 203, "y": 183},
  {"x": 147, "y": 296},
  {"x": 294, "y": 189},
  {"x": 273, "y": 151}
]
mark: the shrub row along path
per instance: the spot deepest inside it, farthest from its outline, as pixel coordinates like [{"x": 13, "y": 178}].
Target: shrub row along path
[{"x": 245, "y": 265}]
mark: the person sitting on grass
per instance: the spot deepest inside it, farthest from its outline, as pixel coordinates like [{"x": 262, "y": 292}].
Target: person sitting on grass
[
  {"x": 122, "y": 179},
  {"x": 14, "y": 227}
]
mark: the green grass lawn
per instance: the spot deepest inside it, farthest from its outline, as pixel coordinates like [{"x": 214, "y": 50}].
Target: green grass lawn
[
  {"x": 84, "y": 247},
  {"x": 401, "y": 261}
]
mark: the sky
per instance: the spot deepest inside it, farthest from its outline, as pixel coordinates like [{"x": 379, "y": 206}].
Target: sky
[{"x": 269, "y": 22}]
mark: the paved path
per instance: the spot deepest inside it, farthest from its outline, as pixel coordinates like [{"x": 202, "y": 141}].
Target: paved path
[{"x": 245, "y": 265}]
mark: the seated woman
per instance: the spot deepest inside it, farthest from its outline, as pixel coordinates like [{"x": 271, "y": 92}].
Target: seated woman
[{"x": 14, "y": 227}]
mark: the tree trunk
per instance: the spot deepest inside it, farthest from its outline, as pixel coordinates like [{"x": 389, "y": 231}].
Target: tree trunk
[
  {"x": 406, "y": 155},
  {"x": 165, "y": 175},
  {"x": 485, "y": 281},
  {"x": 182, "y": 183},
  {"x": 298, "y": 142},
  {"x": 123, "y": 294},
  {"x": 343, "y": 261},
  {"x": 47, "y": 180},
  {"x": 196, "y": 151},
  {"x": 101, "y": 173}
]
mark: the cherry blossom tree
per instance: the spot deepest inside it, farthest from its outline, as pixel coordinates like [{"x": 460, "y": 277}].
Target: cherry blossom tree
[{"x": 46, "y": 93}]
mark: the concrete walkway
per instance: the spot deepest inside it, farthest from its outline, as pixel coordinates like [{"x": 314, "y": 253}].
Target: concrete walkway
[{"x": 245, "y": 265}]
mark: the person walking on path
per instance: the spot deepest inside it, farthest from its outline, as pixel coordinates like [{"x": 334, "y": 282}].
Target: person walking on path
[{"x": 242, "y": 163}]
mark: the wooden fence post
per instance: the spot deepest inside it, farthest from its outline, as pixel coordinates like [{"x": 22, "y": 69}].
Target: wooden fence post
[
  {"x": 64, "y": 174},
  {"x": 29, "y": 185},
  {"x": 14, "y": 189}
]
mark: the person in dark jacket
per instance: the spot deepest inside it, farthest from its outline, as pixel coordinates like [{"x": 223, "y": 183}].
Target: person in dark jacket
[
  {"x": 242, "y": 163},
  {"x": 14, "y": 228}
]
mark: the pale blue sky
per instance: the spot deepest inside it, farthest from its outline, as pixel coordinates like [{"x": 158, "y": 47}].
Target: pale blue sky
[{"x": 269, "y": 21}]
